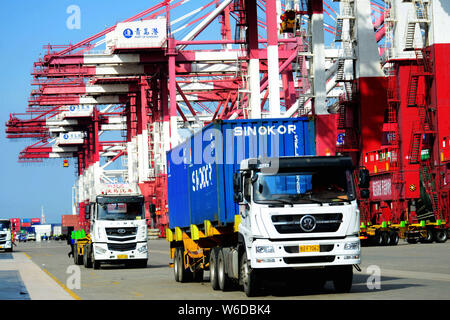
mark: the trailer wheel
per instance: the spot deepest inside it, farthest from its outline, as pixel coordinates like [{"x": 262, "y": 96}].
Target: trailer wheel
[
  {"x": 385, "y": 238},
  {"x": 176, "y": 266},
  {"x": 441, "y": 236},
  {"x": 429, "y": 238},
  {"x": 343, "y": 278},
  {"x": 213, "y": 269},
  {"x": 248, "y": 277},
  {"x": 378, "y": 239},
  {"x": 394, "y": 238},
  {"x": 184, "y": 275},
  {"x": 222, "y": 277},
  {"x": 411, "y": 240}
]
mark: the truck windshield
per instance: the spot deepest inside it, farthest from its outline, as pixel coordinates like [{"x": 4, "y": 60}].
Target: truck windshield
[
  {"x": 317, "y": 186},
  {"x": 4, "y": 225},
  {"x": 121, "y": 211}
]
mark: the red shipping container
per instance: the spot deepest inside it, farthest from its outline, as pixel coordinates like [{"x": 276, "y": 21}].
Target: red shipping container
[
  {"x": 70, "y": 220},
  {"x": 26, "y": 224}
]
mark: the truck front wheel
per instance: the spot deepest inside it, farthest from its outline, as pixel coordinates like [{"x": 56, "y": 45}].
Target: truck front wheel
[
  {"x": 95, "y": 264},
  {"x": 343, "y": 278},
  {"x": 248, "y": 277}
]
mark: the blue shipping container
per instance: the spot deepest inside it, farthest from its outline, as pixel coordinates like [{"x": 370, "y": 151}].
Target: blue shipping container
[{"x": 200, "y": 170}]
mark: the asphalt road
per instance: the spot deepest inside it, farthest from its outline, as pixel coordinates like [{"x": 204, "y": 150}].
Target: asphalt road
[{"x": 406, "y": 271}]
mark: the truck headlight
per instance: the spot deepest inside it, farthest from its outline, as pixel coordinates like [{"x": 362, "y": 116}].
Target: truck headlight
[
  {"x": 99, "y": 250},
  {"x": 352, "y": 246},
  {"x": 264, "y": 249},
  {"x": 143, "y": 249},
  {"x": 143, "y": 231}
]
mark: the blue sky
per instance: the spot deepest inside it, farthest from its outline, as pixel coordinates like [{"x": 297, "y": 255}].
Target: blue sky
[{"x": 28, "y": 26}]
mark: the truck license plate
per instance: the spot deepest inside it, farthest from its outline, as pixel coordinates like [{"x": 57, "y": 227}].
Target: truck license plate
[
  {"x": 312, "y": 248},
  {"x": 1, "y": 247},
  {"x": 122, "y": 256}
]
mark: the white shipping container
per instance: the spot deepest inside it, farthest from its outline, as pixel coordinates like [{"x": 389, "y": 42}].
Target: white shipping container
[{"x": 57, "y": 230}]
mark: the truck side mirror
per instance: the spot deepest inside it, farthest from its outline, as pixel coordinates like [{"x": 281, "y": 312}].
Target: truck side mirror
[
  {"x": 87, "y": 212},
  {"x": 238, "y": 197},
  {"x": 152, "y": 208},
  {"x": 237, "y": 182},
  {"x": 364, "y": 179}
]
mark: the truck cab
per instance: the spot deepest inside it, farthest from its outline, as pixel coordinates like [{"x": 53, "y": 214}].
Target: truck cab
[
  {"x": 117, "y": 230},
  {"x": 299, "y": 213},
  {"x": 6, "y": 241}
]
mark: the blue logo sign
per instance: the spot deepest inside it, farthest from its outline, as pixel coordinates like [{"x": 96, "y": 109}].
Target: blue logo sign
[
  {"x": 66, "y": 136},
  {"x": 340, "y": 138},
  {"x": 72, "y": 108},
  {"x": 128, "y": 33}
]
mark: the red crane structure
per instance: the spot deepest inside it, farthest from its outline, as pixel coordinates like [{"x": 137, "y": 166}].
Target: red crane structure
[{"x": 119, "y": 100}]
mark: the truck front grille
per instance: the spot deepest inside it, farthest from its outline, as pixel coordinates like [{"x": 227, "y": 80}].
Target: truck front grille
[
  {"x": 329, "y": 222},
  {"x": 317, "y": 259},
  {"x": 3, "y": 242},
  {"x": 2, "y": 236},
  {"x": 121, "y": 234},
  {"x": 122, "y": 246}
]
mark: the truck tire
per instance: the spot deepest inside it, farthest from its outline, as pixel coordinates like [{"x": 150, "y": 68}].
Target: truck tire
[
  {"x": 385, "y": 238},
  {"x": 411, "y": 240},
  {"x": 87, "y": 258},
  {"x": 77, "y": 259},
  {"x": 343, "y": 278},
  {"x": 184, "y": 275},
  {"x": 394, "y": 238},
  {"x": 377, "y": 240},
  {"x": 441, "y": 236},
  {"x": 176, "y": 266},
  {"x": 95, "y": 264},
  {"x": 248, "y": 277},
  {"x": 213, "y": 279},
  {"x": 429, "y": 238},
  {"x": 142, "y": 263},
  {"x": 222, "y": 277}
]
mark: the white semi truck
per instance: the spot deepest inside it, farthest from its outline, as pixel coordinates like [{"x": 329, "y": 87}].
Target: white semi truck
[
  {"x": 117, "y": 231},
  {"x": 304, "y": 216},
  {"x": 6, "y": 241},
  {"x": 247, "y": 219}
]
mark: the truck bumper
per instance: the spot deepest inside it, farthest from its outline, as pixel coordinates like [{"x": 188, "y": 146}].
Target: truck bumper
[
  {"x": 103, "y": 252},
  {"x": 5, "y": 245},
  {"x": 305, "y": 254}
]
